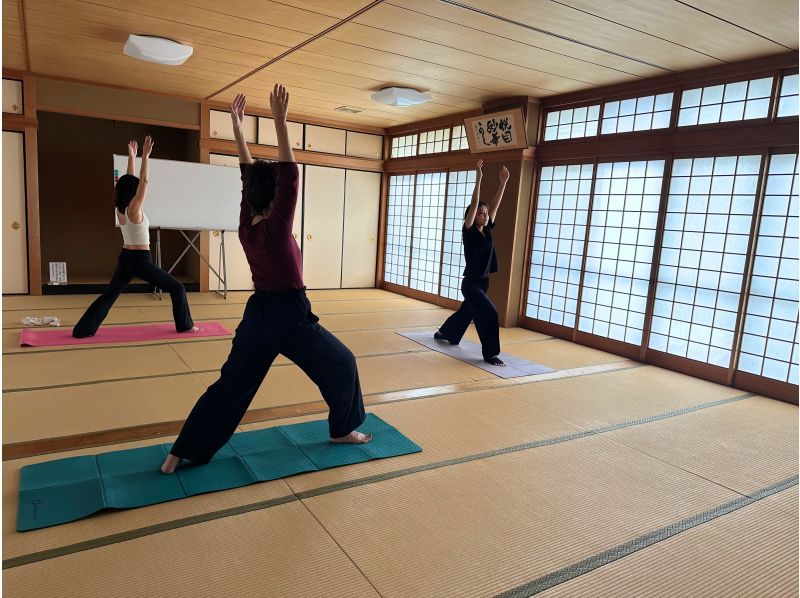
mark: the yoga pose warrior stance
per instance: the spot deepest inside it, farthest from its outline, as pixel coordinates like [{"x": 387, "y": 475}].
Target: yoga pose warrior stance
[
  {"x": 277, "y": 318},
  {"x": 135, "y": 259},
  {"x": 481, "y": 261}
]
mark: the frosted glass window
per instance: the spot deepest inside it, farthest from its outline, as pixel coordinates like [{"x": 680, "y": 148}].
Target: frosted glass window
[
  {"x": 459, "y": 193},
  {"x": 572, "y": 123},
  {"x": 769, "y": 342},
  {"x": 742, "y": 100},
  {"x": 404, "y": 146},
  {"x": 398, "y": 229},
  {"x": 706, "y": 234},
  {"x": 426, "y": 246},
  {"x": 788, "y": 101},
  {"x": 559, "y": 235},
  {"x": 458, "y": 139},
  {"x": 434, "y": 142},
  {"x": 637, "y": 114},
  {"x": 620, "y": 252}
]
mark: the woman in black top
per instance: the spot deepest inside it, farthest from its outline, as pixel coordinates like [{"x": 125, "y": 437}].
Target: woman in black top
[{"x": 481, "y": 261}]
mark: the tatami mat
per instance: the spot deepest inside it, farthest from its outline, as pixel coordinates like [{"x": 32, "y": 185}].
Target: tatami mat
[
  {"x": 495, "y": 523},
  {"x": 385, "y": 321},
  {"x": 96, "y": 407},
  {"x": 744, "y": 445},
  {"x": 69, "y": 367},
  {"x": 23, "y": 302},
  {"x": 561, "y": 354},
  {"x": 16, "y": 544},
  {"x": 248, "y": 555},
  {"x": 786, "y": 502},
  {"x": 446, "y": 427},
  {"x": 751, "y": 553},
  {"x": 288, "y": 385},
  {"x": 28, "y": 302},
  {"x": 594, "y": 401},
  {"x": 212, "y": 354},
  {"x": 514, "y": 481}
]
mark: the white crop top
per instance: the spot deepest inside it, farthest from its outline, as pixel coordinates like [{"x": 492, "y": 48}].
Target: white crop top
[{"x": 132, "y": 233}]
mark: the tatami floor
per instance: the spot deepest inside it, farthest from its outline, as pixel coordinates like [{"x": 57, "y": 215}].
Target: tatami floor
[{"x": 604, "y": 478}]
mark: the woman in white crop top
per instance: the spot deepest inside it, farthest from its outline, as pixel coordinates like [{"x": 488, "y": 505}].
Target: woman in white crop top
[{"x": 135, "y": 259}]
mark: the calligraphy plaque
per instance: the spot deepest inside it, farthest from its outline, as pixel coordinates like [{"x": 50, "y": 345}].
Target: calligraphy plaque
[{"x": 494, "y": 132}]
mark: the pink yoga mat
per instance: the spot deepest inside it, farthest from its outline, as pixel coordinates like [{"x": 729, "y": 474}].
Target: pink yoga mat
[{"x": 54, "y": 337}]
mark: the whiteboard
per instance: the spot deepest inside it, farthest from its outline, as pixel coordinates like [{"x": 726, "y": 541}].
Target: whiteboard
[{"x": 189, "y": 195}]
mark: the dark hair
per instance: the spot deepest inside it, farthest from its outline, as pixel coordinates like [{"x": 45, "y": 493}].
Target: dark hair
[
  {"x": 125, "y": 190},
  {"x": 258, "y": 184},
  {"x": 480, "y": 203}
]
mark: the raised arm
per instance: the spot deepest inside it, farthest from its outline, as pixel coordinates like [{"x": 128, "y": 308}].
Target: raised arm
[
  {"x": 498, "y": 195},
  {"x": 237, "y": 118},
  {"x": 135, "y": 207},
  {"x": 133, "y": 149},
  {"x": 279, "y": 105},
  {"x": 469, "y": 219}
]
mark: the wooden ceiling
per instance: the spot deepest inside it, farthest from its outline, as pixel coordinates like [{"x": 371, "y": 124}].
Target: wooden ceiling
[{"x": 338, "y": 52}]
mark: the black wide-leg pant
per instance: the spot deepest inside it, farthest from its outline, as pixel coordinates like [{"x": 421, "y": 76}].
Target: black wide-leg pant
[
  {"x": 135, "y": 263},
  {"x": 479, "y": 308},
  {"x": 273, "y": 323}
]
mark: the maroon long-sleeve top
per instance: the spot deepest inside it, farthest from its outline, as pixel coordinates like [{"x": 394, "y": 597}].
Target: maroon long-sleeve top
[{"x": 273, "y": 254}]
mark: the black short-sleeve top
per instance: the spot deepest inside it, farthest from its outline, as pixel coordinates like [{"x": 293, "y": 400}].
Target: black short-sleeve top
[{"x": 479, "y": 251}]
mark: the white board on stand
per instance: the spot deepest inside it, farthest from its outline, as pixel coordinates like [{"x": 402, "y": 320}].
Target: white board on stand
[{"x": 189, "y": 195}]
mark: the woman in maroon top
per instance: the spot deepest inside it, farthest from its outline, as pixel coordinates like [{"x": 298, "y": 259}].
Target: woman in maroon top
[{"x": 277, "y": 318}]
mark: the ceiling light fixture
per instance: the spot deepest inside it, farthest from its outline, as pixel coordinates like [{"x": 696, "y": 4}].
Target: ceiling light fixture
[
  {"x": 157, "y": 49},
  {"x": 400, "y": 96}
]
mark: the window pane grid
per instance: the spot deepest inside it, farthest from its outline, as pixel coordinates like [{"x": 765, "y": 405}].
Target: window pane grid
[
  {"x": 427, "y": 232},
  {"x": 637, "y": 114},
  {"x": 769, "y": 342},
  {"x": 404, "y": 146},
  {"x": 572, "y": 123},
  {"x": 620, "y": 252},
  {"x": 459, "y": 193},
  {"x": 398, "y": 229},
  {"x": 459, "y": 139},
  {"x": 742, "y": 100},
  {"x": 788, "y": 102},
  {"x": 558, "y": 242},
  {"x": 434, "y": 142},
  {"x": 706, "y": 234}
]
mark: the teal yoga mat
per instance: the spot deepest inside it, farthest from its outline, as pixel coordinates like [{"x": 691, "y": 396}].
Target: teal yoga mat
[{"x": 56, "y": 492}]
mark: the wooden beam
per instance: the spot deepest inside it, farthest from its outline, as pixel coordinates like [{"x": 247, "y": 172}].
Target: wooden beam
[
  {"x": 222, "y": 146},
  {"x": 699, "y": 77},
  {"x": 726, "y": 137}
]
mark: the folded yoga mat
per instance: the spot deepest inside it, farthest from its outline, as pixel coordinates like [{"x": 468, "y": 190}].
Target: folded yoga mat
[
  {"x": 56, "y": 492},
  {"x": 470, "y": 353},
  {"x": 32, "y": 337}
]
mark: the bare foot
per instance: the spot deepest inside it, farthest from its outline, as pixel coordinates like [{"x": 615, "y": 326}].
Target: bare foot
[
  {"x": 170, "y": 463},
  {"x": 353, "y": 438},
  {"x": 193, "y": 329},
  {"x": 495, "y": 361}
]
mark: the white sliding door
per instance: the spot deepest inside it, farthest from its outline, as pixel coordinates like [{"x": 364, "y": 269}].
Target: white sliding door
[
  {"x": 15, "y": 225},
  {"x": 360, "y": 243},
  {"x": 323, "y": 227}
]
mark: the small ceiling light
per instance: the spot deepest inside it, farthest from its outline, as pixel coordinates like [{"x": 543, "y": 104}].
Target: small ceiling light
[
  {"x": 157, "y": 49},
  {"x": 400, "y": 96}
]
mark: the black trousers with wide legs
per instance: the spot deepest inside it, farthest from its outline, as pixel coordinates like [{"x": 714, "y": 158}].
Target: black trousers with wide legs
[
  {"x": 479, "y": 308},
  {"x": 273, "y": 323},
  {"x": 135, "y": 263}
]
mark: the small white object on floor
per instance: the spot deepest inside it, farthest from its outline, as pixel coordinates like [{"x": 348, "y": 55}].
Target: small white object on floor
[{"x": 43, "y": 321}]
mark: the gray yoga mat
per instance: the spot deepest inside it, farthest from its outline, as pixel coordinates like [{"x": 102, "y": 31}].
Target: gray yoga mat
[{"x": 470, "y": 353}]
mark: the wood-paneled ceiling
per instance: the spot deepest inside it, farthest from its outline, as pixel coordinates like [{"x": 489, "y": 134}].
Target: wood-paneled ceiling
[{"x": 338, "y": 52}]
